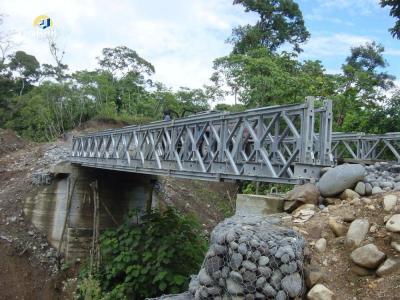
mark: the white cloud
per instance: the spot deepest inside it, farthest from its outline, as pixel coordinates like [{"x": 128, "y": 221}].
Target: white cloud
[
  {"x": 363, "y": 7},
  {"x": 393, "y": 52},
  {"x": 180, "y": 38},
  {"x": 338, "y": 44}
]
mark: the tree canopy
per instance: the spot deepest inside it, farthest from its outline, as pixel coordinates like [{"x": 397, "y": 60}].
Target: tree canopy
[
  {"x": 280, "y": 22},
  {"x": 394, "y": 12}
]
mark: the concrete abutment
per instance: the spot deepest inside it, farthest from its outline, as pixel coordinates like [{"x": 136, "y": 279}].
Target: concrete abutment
[{"x": 118, "y": 193}]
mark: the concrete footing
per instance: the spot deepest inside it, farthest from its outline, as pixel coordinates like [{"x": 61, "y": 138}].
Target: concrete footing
[{"x": 247, "y": 204}]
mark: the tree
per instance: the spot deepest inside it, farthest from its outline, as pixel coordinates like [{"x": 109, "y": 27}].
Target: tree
[
  {"x": 59, "y": 71},
  {"x": 123, "y": 60},
  {"x": 262, "y": 78},
  {"x": 281, "y": 21},
  {"x": 394, "y": 12},
  {"x": 362, "y": 87},
  {"x": 27, "y": 67},
  {"x": 6, "y": 41}
]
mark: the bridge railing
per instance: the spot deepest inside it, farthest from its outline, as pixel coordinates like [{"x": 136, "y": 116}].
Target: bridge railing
[
  {"x": 273, "y": 144},
  {"x": 366, "y": 146}
]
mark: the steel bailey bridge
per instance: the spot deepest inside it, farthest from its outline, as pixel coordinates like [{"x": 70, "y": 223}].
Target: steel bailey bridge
[{"x": 282, "y": 144}]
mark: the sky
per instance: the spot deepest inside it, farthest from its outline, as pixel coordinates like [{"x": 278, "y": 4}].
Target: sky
[{"x": 181, "y": 38}]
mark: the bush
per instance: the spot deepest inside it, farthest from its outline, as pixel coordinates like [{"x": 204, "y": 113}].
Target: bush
[{"x": 151, "y": 258}]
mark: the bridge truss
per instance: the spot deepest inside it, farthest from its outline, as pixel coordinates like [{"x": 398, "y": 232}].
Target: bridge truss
[
  {"x": 363, "y": 146},
  {"x": 286, "y": 144}
]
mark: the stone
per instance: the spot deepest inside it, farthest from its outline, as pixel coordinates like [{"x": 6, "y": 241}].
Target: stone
[
  {"x": 368, "y": 189},
  {"x": 320, "y": 245},
  {"x": 285, "y": 258},
  {"x": 360, "y": 188},
  {"x": 389, "y": 202},
  {"x": 236, "y": 261},
  {"x": 285, "y": 250},
  {"x": 337, "y": 228},
  {"x": 269, "y": 291},
  {"x": 263, "y": 261},
  {"x": 249, "y": 276},
  {"x": 393, "y": 224},
  {"x": 281, "y": 295},
  {"x": 236, "y": 276},
  {"x": 313, "y": 275},
  {"x": 357, "y": 232},
  {"x": 260, "y": 282},
  {"x": 390, "y": 265},
  {"x": 292, "y": 284},
  {"x": 302, "y": 194},
  {"x": 249, "y": 265},
  {"x": 213, "y": 264},
  {"x": 332, "y": 201},
  {"x": 368, "y": 256},
  {"x": 339, "y": 178},
  {"x": 386, "y": 184},
  {"x": 376, "y": 190},
  {"x": 242, "y": 249},
  {"x": 204, "y": 278},
  {"x": 290, "y": 206},
  {"x": 289, "y": 268},
  {"x": 233, "y": 287},
  {"x": 395, "y": 245},
  {"x": 276, "y": 279},
  {"x": 349, "y": 194},
  {"x": 303, "y": 207},
  {"x": 265, "y": 271},
  {"x": 348, "y": 216},
  {"x": 320, "y": 292},
  {"x": 259, "y": 296},
  {"x": 360, "y": 271}
]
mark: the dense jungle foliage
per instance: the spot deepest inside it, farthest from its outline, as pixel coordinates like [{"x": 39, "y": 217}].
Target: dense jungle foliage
[{"x": 42, "y": 101}]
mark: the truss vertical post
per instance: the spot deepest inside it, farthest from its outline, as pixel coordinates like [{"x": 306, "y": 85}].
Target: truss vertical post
[
  {"x": 307, "y": 132},
  {"x": 325, "y": 135}
]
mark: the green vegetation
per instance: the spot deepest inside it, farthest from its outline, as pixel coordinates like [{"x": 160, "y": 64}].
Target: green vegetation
[
  {"x": 146, "y": 259},
  {"x": 42, "y": 102}
]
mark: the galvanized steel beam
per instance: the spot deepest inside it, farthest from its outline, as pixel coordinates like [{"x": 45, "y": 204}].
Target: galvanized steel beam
[{"x": 271, "y": 144}]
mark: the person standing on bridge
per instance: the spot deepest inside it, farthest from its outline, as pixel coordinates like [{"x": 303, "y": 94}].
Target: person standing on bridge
[{"x": 167, "y": 115}]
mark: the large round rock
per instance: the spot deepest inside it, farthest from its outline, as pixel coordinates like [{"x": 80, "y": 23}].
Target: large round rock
[{"x": 342, "y": 177}]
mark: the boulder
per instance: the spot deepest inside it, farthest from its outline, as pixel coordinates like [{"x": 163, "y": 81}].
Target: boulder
[
  {"x": 393, "y": 224},
  {"x": 389, "y": 202},
  {"x": 368, "y": 256},
  {"x": 320, "y": 245},
  {"x": 368, "y": 189},
  {"x": 320, "y": 292},
  {"x": 390, "y": 265},
  {"x": 313, "y": 275},
  {"x": 349, "y": 194},
  {"x": 342, "y": 177},
  {"x": 395, "y": 245},
  {"x": 360, "y": 271},
  {"x": 357, "y": 231},
  {"x": 376, "y": 190},
  {"x": 360, "y": 188},
  {"x": 301, "y": 194},
  {"x": 337, "y": 228}
]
